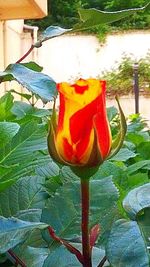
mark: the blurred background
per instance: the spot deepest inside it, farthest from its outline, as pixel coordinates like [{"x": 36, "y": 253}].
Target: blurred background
[{"x": 108, "y": 52}]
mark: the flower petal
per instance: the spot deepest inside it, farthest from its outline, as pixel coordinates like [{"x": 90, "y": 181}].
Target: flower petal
[{"x": 82, "y": 123}]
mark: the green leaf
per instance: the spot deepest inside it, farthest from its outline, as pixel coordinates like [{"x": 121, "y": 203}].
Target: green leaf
[
  {"x": 38, "y": 83},
  {"x": 26, "y": 112},
  {"x": 14, "y": 172},
  {"x": 26, "y": 193},
  {"x": 14, "y": 231},
  {"x": 49, "y": 170},
  {"x": 144, "y": 150},
  {"x": 34, "y": 238},
  {"x": 26, "y": 96},
  {"x": 40, "y": 113},
  {"x": 6, "y": 184},
  {"x": 60, "y": 256},
  {"x": 126, "y": 247},
  {"x": 33, "y": 257},
  {"x": 137, "y": 200},
  {"x": 7, "y": 131},
  {"x": 143, "y": 220},
  {"x": 117, "y": 143},
  {"x": 6, "y": 103},
  {"x": 108, "y": 169},
  {"x": 136, "y": 180},
  {"x": 143, "y": 164},
  {"x": 94, "y": 17},
  {"x": 30, "y": 214},
  {"x": 33, "y": 66},
  {"x": 129, "y": 145},
  {"x": 53, "y": 184},
  {"x": 3, "y": 259},
  {"x": 34, "y": 243},
  {"x": 66, "y": 218},
  {"x": 4, "y": 76},
  {"x": 23, "y": 154},
  {"x": 137, "y": 138},
  {"x": 90, "y": 18},
  {"x": 51, "y": 32},
  {"x": 123, "y": 155},
  {"x": 30, "y": 138},
  {"x": 67, "y": 175},
  {"x": 21, "y": 109},
  {"x": 111, "y": 113}
]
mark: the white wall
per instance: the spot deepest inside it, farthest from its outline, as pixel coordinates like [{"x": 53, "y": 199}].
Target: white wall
[
  {"x": 128, "y": 106},
  {"x": 14, "y": 43},
  {"x": 68, "y": 57}
]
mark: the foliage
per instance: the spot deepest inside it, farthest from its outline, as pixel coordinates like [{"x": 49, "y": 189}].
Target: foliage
[
  {"x": 120, "y": 79},
  {"x": 65, "y": 13},
  {"x": 35, "y": 81},
  {"x": 137, "y": 21},
  {"x": 36, "y": 194},
  {"x": 41, "y": 185}
]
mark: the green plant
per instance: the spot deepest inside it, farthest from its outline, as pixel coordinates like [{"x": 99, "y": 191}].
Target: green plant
[
  {"x": 66, "y": 13},
  {"x": 40, "y": 199},
  {"x": 120, "y": 79},
  {"x": 41, "y": 185}
]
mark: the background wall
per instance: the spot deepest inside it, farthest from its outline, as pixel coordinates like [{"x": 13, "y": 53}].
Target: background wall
[
  {"x": 15, "y": 40},
  {"x": 68, "y": 57}
]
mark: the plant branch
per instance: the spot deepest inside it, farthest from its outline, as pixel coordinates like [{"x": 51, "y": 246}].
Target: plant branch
[
  {"x": 26, "y": 54},
  {"x": 17, "y": 260},
  {"x": 85, "y": 223},
  {"x": 71, "y": 248},
  {"x": 102, "y": 262}
]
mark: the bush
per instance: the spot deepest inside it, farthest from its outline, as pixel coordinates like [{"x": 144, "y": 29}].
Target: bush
[{"x": 120, "y": 79}]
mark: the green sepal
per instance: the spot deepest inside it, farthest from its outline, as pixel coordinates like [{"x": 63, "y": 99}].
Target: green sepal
[
  {"x": 51, "y": 143},
  {"x": 118, "y": 141},
  {"x": 52, "y": 135},
  {"x": 95, "y": 156},
  {"x": 84, "y": 173},
  {"x": 54, "y": 116}
]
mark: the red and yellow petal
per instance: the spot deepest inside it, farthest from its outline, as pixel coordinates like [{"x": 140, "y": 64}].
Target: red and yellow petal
[
  {"x": 83, "y": 91},
  {"x": 82, "y": 116}
]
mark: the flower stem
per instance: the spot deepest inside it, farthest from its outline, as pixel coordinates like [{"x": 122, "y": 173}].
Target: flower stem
[
  {"x": 26, "y": 54},
  {"x": 86, "y": 250}
]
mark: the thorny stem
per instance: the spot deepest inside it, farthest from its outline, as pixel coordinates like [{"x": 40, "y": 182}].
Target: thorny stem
[
  {"x": 86, "y": 250},
  {"x": 17, "y": 260},
  {"x": 26, "y": 54}
]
